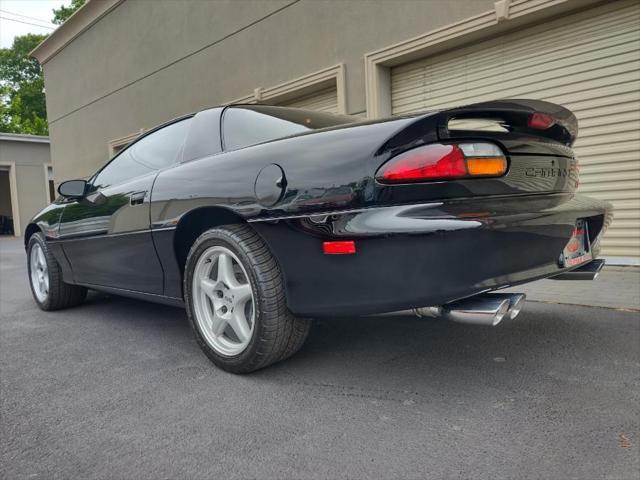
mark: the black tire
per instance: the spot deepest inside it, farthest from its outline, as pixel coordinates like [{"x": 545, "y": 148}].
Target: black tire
[
  {"x": 61, "y": 295},
  {"x": 277, "y": 333}
]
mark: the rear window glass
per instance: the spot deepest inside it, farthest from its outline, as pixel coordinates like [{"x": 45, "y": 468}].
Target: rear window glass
[{"x": 249, "y": 125}]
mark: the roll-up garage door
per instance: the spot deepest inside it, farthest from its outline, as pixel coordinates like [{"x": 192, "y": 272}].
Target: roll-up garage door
[
  {"x": 588, "y": 62},
  {"x": 324, "y": 100}
]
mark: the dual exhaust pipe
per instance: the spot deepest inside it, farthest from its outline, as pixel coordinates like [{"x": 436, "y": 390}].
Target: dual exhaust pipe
[
  {"x": 487, "y": 309},
  {"x": 492, "y": 308}
]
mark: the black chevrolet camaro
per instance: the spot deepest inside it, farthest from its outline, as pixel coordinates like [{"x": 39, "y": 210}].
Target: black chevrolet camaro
[{"x": 257, "y": 218}]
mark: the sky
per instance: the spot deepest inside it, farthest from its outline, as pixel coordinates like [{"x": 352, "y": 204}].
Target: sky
[{"x": 18, "y": 17}]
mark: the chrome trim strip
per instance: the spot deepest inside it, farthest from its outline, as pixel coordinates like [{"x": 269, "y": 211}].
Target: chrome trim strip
[
  {"x": 88, "y": 235},
  {"x": 162, "y": 229}
]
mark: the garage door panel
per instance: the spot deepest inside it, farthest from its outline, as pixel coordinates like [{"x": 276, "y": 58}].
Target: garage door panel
[
  {"x": 631, "y": 147},
  {"x": 523, "y": 52},
  {"x": 613, "y": 187},
  {"x": 620, "y": 251},
  {"x": 614, "y": 98},
  {"x": 425, "y": 97},
  {"x": 604, "y": 173},
  {"x": 570, "y": 65},
  {"x": 480, "y": 65},
  {"x": 618, "y": 121},
  {"x": 606, "y": 140},
  {"x": 587, "y": 75},
  {"x": 588, "y": 62},
  {"x": 623, "y": 86},
  {"x": 630, "y": 108},
  {"x": 616, "y": 158},
  {"x": 627, "y": 221},
  {"x": 541, "y": 84},
  {"x": 612, "y": 131},
  {"x": 323, "y": 101},
  {"x": 592, "y": 171}
]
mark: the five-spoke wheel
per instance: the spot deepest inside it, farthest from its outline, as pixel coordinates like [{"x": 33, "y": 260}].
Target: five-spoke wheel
[
  {"x": 39, "y": 273},
  {"x": 223, "y": 301},
  {"x": 236, "y": 302},
  {"x": 45, "y": 277}
]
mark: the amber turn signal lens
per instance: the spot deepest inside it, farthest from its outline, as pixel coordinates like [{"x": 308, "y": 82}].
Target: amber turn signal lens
[{"x": 486, "y": 166}]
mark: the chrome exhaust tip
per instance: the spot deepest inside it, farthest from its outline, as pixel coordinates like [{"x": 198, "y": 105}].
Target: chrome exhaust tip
[
  {"x": 516, "y": 302},
  {"x": 486, "y": 309},
  {"x": 480, "y": 310}
]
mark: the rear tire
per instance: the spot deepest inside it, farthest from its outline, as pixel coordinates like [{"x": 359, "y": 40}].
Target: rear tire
[
  {"x": 252, "y": 299},
  {"x": 45, "y": 278}
]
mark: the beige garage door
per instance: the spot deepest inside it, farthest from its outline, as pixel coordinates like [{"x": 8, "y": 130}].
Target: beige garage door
[
  {"x": 323, "y": 100},
  {"x": 588, "y": 62}
]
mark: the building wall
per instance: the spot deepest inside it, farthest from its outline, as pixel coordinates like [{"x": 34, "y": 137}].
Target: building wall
[
  {"x": 29, "y": 159},
  {"x": 146, "y": 62}
]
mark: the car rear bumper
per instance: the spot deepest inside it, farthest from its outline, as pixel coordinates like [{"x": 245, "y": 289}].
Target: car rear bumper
[{"x": 428, "y": 254}]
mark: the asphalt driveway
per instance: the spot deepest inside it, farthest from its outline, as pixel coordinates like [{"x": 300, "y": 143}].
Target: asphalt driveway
[{"x": 119, "y": 389}]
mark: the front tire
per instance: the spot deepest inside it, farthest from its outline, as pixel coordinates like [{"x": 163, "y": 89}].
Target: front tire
[
  {"x": 45, "y": 278},
  {"x": 234, "y": 293}
]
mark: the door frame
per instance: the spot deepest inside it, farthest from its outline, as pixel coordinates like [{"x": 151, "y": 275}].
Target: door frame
[
  {"x": 47, "y": 189},
  {"x": 13, "y": 188}
]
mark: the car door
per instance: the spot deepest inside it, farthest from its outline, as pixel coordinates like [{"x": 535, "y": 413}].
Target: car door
[{"x": 106, "y": 236}]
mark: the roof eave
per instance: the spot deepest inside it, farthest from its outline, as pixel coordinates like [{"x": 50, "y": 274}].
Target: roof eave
[
  {"x": 76, "y": 24},
  {"x": 22, "y": 137}
]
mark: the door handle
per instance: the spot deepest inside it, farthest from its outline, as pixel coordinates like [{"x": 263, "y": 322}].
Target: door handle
[{"x": 137, "y": 198}]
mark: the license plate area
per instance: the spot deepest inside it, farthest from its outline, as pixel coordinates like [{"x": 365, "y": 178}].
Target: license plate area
[{"x": 578, "y": 250}]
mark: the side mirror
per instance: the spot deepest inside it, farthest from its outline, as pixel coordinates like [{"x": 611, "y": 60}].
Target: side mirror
[{"x": 73, "y": 188}]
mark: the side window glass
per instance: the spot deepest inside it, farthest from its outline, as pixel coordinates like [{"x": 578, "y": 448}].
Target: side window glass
[
  {"x": 157, "y": 150},
  {"x": 244, "y": 127}
]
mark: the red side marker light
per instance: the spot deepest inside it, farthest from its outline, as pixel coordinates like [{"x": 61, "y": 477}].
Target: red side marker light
[
  {"x": 339, "y": 248},
  {"x": 541, "y": 121}
]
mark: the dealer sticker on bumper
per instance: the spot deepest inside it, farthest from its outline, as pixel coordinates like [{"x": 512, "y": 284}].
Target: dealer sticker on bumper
[{"x": 578, "y": 250}]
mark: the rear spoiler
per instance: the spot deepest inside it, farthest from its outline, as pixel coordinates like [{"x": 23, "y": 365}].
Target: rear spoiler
[{"x": 535, "y": 117}]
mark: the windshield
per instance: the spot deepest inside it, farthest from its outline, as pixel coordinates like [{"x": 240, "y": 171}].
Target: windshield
[{"x": 247, "y": 125}]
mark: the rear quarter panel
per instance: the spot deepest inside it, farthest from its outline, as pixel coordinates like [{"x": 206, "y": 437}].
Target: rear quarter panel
[{"x": 324, "y": 170}]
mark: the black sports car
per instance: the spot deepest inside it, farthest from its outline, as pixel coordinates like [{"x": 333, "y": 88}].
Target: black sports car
[{"x": 257, "y": 218}]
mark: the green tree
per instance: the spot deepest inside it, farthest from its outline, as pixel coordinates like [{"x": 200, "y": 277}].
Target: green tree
[
  {"x": 61, "y": 14},
  {"x": 22, "y": 102}
]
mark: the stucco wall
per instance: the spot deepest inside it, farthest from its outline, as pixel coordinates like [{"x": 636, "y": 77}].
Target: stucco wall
[
  {"x": 147, "y": 61},
  {"x": 29, "y": 159}
]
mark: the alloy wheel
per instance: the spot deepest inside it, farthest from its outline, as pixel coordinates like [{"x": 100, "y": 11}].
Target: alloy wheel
[
  {"x": 223, "y": 301},
  {"x": 39, "y": 273}
]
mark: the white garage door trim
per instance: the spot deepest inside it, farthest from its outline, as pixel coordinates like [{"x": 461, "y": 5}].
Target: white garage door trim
[
  {"x": 302, "y": 88},
  {"x": 119, "y": 143},
  {"x": 323, "y": 101},
  {"x": 13, "y": 186}
]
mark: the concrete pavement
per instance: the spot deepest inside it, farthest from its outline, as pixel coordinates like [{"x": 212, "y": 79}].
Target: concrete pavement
[{"x": 615, "y": 287}]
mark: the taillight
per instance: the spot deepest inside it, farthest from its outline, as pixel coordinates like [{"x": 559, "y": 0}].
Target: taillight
[{"x": 439, "y": 161}]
